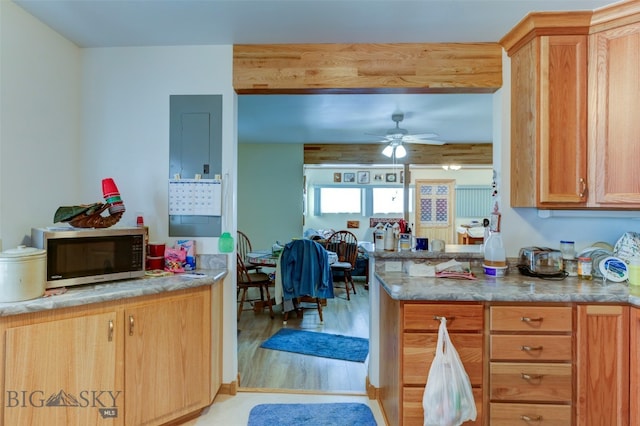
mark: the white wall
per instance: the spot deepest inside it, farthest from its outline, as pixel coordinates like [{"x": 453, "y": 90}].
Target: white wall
[
  {"x": 39, "y": 124},
  {"x": 270, "y": 182},
  {"x": 125, "y": 100}
]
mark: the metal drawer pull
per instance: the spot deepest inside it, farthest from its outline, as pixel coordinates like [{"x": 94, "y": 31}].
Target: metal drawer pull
[
  {"x": 110, "y": 333},
  {"x": 131, "y": 325},
  {"x": 530, "y": 377},
  {"x": 531, "y": 419},
  {"x": 527, "y": 319},
  {"x": 438, "y": 318},
  {"x": 530, "y": 348}
]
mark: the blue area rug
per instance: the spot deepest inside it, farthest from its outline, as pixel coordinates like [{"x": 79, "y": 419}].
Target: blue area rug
[
  {"x": 325, "y": 345},
  {"x": 334, "y": 414}
]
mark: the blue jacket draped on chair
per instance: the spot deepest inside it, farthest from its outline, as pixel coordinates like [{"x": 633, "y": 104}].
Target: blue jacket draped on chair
[{"x": 304, "y": 270}]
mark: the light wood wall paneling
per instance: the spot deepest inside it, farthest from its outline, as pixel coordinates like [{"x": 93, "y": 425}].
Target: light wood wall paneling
[
  {"x": 476, "y": 154},
  {"x": 368, "y": 68}
]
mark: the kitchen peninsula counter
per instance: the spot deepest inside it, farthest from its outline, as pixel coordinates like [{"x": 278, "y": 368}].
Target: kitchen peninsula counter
[
  {"x": 117, "y": 290},
  {"x": 586, "y": 327},
  {"x": 513, "y": 287}
]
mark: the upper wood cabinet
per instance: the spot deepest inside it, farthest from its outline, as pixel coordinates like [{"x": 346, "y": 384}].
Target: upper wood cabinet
[
  {"x": 614, "y": 127},
  {"x": 564, "y": 64},
  {"x": 549, "y": 109}
]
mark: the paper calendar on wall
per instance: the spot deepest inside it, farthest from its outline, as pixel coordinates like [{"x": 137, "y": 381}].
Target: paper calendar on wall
[{"x": 195, "y": 197}]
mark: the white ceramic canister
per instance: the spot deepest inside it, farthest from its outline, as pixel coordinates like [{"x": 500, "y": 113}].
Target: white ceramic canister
[{"x": 23, "y": 274}]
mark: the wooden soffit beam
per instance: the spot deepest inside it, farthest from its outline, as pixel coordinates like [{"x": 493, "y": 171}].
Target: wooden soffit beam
[
  {"x": 367, "y": 68},
  {"x": 476, "y": 154}
]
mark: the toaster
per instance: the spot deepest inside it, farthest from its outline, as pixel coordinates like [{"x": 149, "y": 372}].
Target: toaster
[{"x": 540, "y": 261}]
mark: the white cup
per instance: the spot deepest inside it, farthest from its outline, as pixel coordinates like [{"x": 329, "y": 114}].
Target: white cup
[{"x": 437, "y": 245}]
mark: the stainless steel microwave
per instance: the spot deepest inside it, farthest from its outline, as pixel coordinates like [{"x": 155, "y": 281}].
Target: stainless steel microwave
[{"x": 78, "y": 256}]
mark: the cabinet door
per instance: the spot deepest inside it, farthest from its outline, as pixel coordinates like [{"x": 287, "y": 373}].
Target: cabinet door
[
  {"x": 167, "y": 362},
  {"x": 548, "y": 122},
  {"x": 64, "y": 373},
  {"x": 602, "y": 365},
  {"x": 563, "y": 120},
  {"x": 614, "y": 128}
]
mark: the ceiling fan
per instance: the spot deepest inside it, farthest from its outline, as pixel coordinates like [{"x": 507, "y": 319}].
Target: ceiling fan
[{"x": 396, "y": 136}]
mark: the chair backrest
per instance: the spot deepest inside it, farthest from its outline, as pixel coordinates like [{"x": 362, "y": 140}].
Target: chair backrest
[
  {"x": 345, "y": 245},
  {"x": 243, "y": 274},
  {"x": 243, "y": 245}
]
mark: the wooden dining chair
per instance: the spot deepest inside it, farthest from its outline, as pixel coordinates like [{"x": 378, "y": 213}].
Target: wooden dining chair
[
  {"x": 243, "y": 246},
  {"x": 345, "y": 245},
  {"x": 247, "y": 280}
]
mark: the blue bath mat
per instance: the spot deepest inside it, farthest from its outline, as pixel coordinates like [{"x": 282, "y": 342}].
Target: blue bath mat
[
  {"x": 324, "y": 345},
  {"x": 333, "y": 414}
]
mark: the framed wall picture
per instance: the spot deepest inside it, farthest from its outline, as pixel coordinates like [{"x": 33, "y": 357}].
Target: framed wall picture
[
  {"x": 378, "y": 177},
  {"x": 348, "y": 177},
  {"x": 391, "y": 177},
  {"x": 363, "y": 177},
  {"x": 337, "y": 177}
]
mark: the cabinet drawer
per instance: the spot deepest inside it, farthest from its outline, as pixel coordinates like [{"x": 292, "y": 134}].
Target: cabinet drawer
[
  {"x": 413, "y": 413},
  {"x": 525, "y": 381},
  {"x": 419, "y": 350},
  {"x": 531, "y": 318},
  {"x": 460, "y": 317},
  {"x": 501, "y": 414},
  {"x": 530, "y": 348}
]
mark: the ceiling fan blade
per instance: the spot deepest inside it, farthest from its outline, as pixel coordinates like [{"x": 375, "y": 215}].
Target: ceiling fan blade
[
  {"x": 425, "y": 141},
  {"x": 417, "y": 136}
]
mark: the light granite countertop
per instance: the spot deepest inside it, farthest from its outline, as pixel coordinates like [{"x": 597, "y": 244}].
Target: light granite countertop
[
  {"x": 116, "y": 290},
  {"x": 513, "y": 287}
]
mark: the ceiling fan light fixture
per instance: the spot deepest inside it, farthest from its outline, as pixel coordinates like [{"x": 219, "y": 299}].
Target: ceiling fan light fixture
[
  {"x": 388, "y": 151},
  {"x": 401, "y": 152}
]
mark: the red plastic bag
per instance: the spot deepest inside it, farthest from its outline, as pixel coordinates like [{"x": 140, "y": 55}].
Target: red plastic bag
[{"x": 448, "y": 398}]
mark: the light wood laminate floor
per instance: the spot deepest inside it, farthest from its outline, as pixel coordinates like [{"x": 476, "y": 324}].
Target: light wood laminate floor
[{"x": 270, "y": 369}]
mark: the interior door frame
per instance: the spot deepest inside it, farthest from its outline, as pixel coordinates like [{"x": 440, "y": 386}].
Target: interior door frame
[{"x": 412, "y": 68}]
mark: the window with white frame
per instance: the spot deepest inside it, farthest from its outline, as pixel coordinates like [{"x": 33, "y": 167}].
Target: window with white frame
[{"x": 339, "y": 200}]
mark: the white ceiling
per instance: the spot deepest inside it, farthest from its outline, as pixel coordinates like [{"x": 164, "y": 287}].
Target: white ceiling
[{"x": 312, "y": 118}]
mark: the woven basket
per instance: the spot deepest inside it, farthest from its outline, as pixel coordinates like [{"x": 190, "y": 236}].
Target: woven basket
[{"x": 96, "y": 220}]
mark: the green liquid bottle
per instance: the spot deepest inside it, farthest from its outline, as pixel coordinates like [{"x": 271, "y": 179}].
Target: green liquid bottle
[{"x": 225, "y": 243}]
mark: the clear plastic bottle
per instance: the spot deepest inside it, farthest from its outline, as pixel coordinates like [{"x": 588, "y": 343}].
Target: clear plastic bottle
[{"x": 494, "y": 253}]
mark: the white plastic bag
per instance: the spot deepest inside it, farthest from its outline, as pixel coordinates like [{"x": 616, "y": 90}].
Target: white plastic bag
[{"x": 448, "y": 398}]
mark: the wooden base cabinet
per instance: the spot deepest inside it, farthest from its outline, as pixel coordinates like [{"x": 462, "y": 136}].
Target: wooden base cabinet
[
  {"x": 420, "y": 323},
  {"x": 531, "y": 370},
  {"x": 602, "y": 365},
  {"x": 143, "y": 361},
  {"x": 64, "y": 372},
  {"x": 166, "y": 360}
]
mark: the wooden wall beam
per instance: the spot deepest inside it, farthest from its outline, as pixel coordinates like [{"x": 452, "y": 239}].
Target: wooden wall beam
[
  {"x": 477, "y": 154},
  {"x": 367, "y": 68}
]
